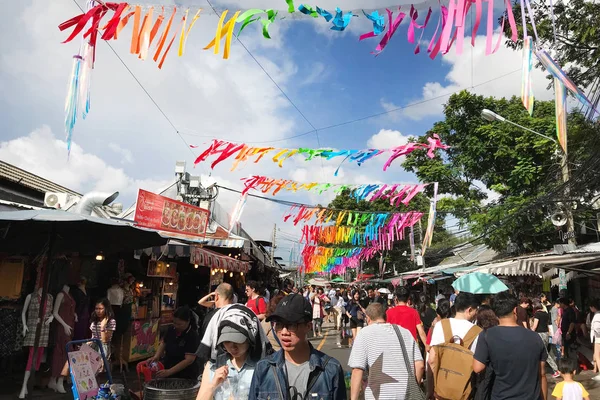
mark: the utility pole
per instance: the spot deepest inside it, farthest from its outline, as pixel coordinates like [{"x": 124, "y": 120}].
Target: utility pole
[
  {"x": 273, "y": 245},
  {"x": 566, "y": 176}
]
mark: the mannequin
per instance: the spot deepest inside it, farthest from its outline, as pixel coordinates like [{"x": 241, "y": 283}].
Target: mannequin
[
  {"x": 64, "y": 314},
  {"x": 29, "y": 316},
  {"x": 82, "y": 308}
]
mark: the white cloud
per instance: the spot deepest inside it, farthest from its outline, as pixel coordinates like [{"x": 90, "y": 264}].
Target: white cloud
[
  {"x": 387, "y": 138},
  {"x": 496, "y": 75},
  {"x": 126, "y": 155},
  {"x": 41, "y": 153},
  {"x": 318, "y": 73}
]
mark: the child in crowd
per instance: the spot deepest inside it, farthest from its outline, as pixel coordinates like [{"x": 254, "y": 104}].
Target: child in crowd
[{"x": 569, "y": 389}]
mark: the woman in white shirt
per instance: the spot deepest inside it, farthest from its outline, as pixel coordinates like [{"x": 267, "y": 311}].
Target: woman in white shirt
[{"x": 595, "y": 335}]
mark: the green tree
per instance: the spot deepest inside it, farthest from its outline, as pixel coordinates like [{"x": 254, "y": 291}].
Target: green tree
[
  {"x": 577, "y": 43},
  {"x": 520, "y": 166}
]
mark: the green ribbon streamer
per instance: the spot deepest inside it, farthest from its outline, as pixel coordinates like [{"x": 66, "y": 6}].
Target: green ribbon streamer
[
  {"x": 291, "y": 7},
  {"x": 248, "y": 17},
  {"x": 266, "y": 22}
]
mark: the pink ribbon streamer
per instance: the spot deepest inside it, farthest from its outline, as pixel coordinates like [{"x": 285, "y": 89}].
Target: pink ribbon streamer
[{"x": 392, "y": 28}]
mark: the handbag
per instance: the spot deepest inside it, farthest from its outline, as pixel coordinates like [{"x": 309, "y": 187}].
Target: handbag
[
  {"x": 557, "y": 337},
  {"x": 413, "y": 390}
]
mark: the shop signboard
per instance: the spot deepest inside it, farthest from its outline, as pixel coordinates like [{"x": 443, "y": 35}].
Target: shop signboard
[
  {"x": 217, "y": 261},
  {"x": 83, "y": 373},
  {"x": 164, "y": 214}
]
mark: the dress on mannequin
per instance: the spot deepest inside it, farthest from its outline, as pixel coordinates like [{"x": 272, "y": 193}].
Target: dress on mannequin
[
  {"x": 66, "y": 312},
  {"x": 82, "y": 307},
  {"x": 32, "y": 317}
]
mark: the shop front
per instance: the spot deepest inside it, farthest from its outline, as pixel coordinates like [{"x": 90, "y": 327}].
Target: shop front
[
  {"x": 152, "y": 309},
  {"x": 222, "y": 268}
]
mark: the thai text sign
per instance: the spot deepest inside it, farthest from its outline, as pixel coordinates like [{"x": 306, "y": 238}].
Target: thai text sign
[{"x": 162, "y": 213}]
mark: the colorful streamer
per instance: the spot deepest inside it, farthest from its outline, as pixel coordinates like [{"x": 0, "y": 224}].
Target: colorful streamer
[
  {"x": 224, "y": 31},
  {"x": 527, "y": 96},
  {"x": 236, "y": 215},
  {"x": 144, "y": 31},
  {"x": 378, "y": 235},
  {"x": 378, "y": 25},
  {"x": 250, "y": 16},
  {"x": 554, "y": 69},
  {"x": 243, "y": 152},
  {"x": 78, "y": 100},
  {"x": 560, "y": 104},
  {"x": 428, "y": 237},
  {"x": 396, "y": 193}
]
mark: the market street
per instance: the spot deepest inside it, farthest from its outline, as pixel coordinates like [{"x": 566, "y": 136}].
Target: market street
[{"x": 328, "y": 344}]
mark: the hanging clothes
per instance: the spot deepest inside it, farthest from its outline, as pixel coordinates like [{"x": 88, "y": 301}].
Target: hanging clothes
[
  {"x": 67, "y": 313},
  {"x": 9, "y": 324},
  {"x": 82, "y": 308},
  {"x": 32, "y": 316}
]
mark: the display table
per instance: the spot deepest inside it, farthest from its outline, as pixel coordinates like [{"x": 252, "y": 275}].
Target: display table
[{"x": 141, "y": 340}]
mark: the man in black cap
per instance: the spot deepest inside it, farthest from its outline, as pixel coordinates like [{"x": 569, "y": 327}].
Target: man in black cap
[{"x": 297, "y": 371}]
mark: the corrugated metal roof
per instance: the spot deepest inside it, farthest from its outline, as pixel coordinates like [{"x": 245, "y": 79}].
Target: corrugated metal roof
[{"x": 27, "y": 179}]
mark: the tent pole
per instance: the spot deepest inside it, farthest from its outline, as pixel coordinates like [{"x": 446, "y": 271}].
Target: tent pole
[{"x": 45, "y": 280}]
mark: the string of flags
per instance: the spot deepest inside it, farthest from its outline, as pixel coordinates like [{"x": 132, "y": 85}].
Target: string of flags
[
  {"x": 241, "y": 153},
  {"x": 396, "y": 193}
]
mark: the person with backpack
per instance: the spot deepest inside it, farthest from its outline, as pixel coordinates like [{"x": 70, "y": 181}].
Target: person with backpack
[
  {"x": 517, "y": 355},
  {"x": 255, "y": 302},
  {"x": 453, "y": 342},
  {"x": 297, "y": 371}
]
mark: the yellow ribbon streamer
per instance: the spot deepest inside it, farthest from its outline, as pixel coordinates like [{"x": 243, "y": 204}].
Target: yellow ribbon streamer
[
  {"x": 184, "y": 34},
  {"x": 222, "y": 31}
]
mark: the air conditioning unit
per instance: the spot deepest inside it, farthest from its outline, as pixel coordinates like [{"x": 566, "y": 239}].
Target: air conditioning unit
[{"x": 59, "y": 200}]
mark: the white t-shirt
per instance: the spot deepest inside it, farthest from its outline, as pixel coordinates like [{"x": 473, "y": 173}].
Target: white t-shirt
[
  {"x": 460, "y": 327},
  {"x": 211, "y": 335},
  {"x": 377, "y": 347},
  {"x": 595, "y": 329},
  {"x": 115, "y": 296}
]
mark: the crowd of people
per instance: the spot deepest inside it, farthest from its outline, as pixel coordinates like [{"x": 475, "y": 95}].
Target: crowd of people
[{"x": 403, "y": 346}]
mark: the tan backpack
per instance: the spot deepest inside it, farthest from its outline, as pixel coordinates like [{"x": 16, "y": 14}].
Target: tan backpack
[{"x": 453, "y": 364}]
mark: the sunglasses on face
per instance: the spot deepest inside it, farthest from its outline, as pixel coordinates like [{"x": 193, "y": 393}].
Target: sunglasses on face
[{"x": 291, "y": 327}]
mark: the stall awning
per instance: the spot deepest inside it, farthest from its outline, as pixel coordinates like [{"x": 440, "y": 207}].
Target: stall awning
[{"x": 545, "y": 265}]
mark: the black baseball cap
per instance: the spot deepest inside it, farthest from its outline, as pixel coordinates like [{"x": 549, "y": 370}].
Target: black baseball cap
[{"x": 292, "y": 308}]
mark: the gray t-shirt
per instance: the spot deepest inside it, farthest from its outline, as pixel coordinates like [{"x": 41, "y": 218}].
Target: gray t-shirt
[{"x": 297, "y": 378}]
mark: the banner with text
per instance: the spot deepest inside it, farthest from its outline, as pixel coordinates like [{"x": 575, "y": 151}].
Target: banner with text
[{"x": 162, "y": 213}]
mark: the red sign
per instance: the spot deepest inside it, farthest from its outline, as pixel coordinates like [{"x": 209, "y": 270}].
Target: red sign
[
  {"x": 211, "y": 259},
  {"x": 162, "y": 213}
]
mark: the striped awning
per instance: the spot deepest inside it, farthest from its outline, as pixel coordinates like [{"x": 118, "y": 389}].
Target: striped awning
[{"x": 544, "y": 265}]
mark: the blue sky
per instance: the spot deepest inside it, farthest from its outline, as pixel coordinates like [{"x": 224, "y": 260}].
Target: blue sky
[{"x": 126, "y": 144}]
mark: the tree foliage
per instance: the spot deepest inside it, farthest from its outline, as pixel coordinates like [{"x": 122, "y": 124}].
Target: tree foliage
[
  {"x": 577, "y": 43},
  {"x": 518, "y": 165}
]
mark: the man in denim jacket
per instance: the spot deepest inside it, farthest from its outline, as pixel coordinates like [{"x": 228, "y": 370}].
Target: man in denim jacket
[{"x": 298, "y": 371}]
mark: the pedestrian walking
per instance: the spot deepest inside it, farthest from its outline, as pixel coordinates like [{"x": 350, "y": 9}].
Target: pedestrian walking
[
  {"x": 517, "y": 355},
  {"x": 391, "y": 357},
  {"x": 297, "y": 371},
  {"x": 568, "y": 389}
]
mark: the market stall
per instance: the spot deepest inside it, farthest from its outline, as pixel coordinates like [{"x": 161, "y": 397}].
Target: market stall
[
  {"x": 222, "y": 268},
  {"x": 152, "y": 308}
]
